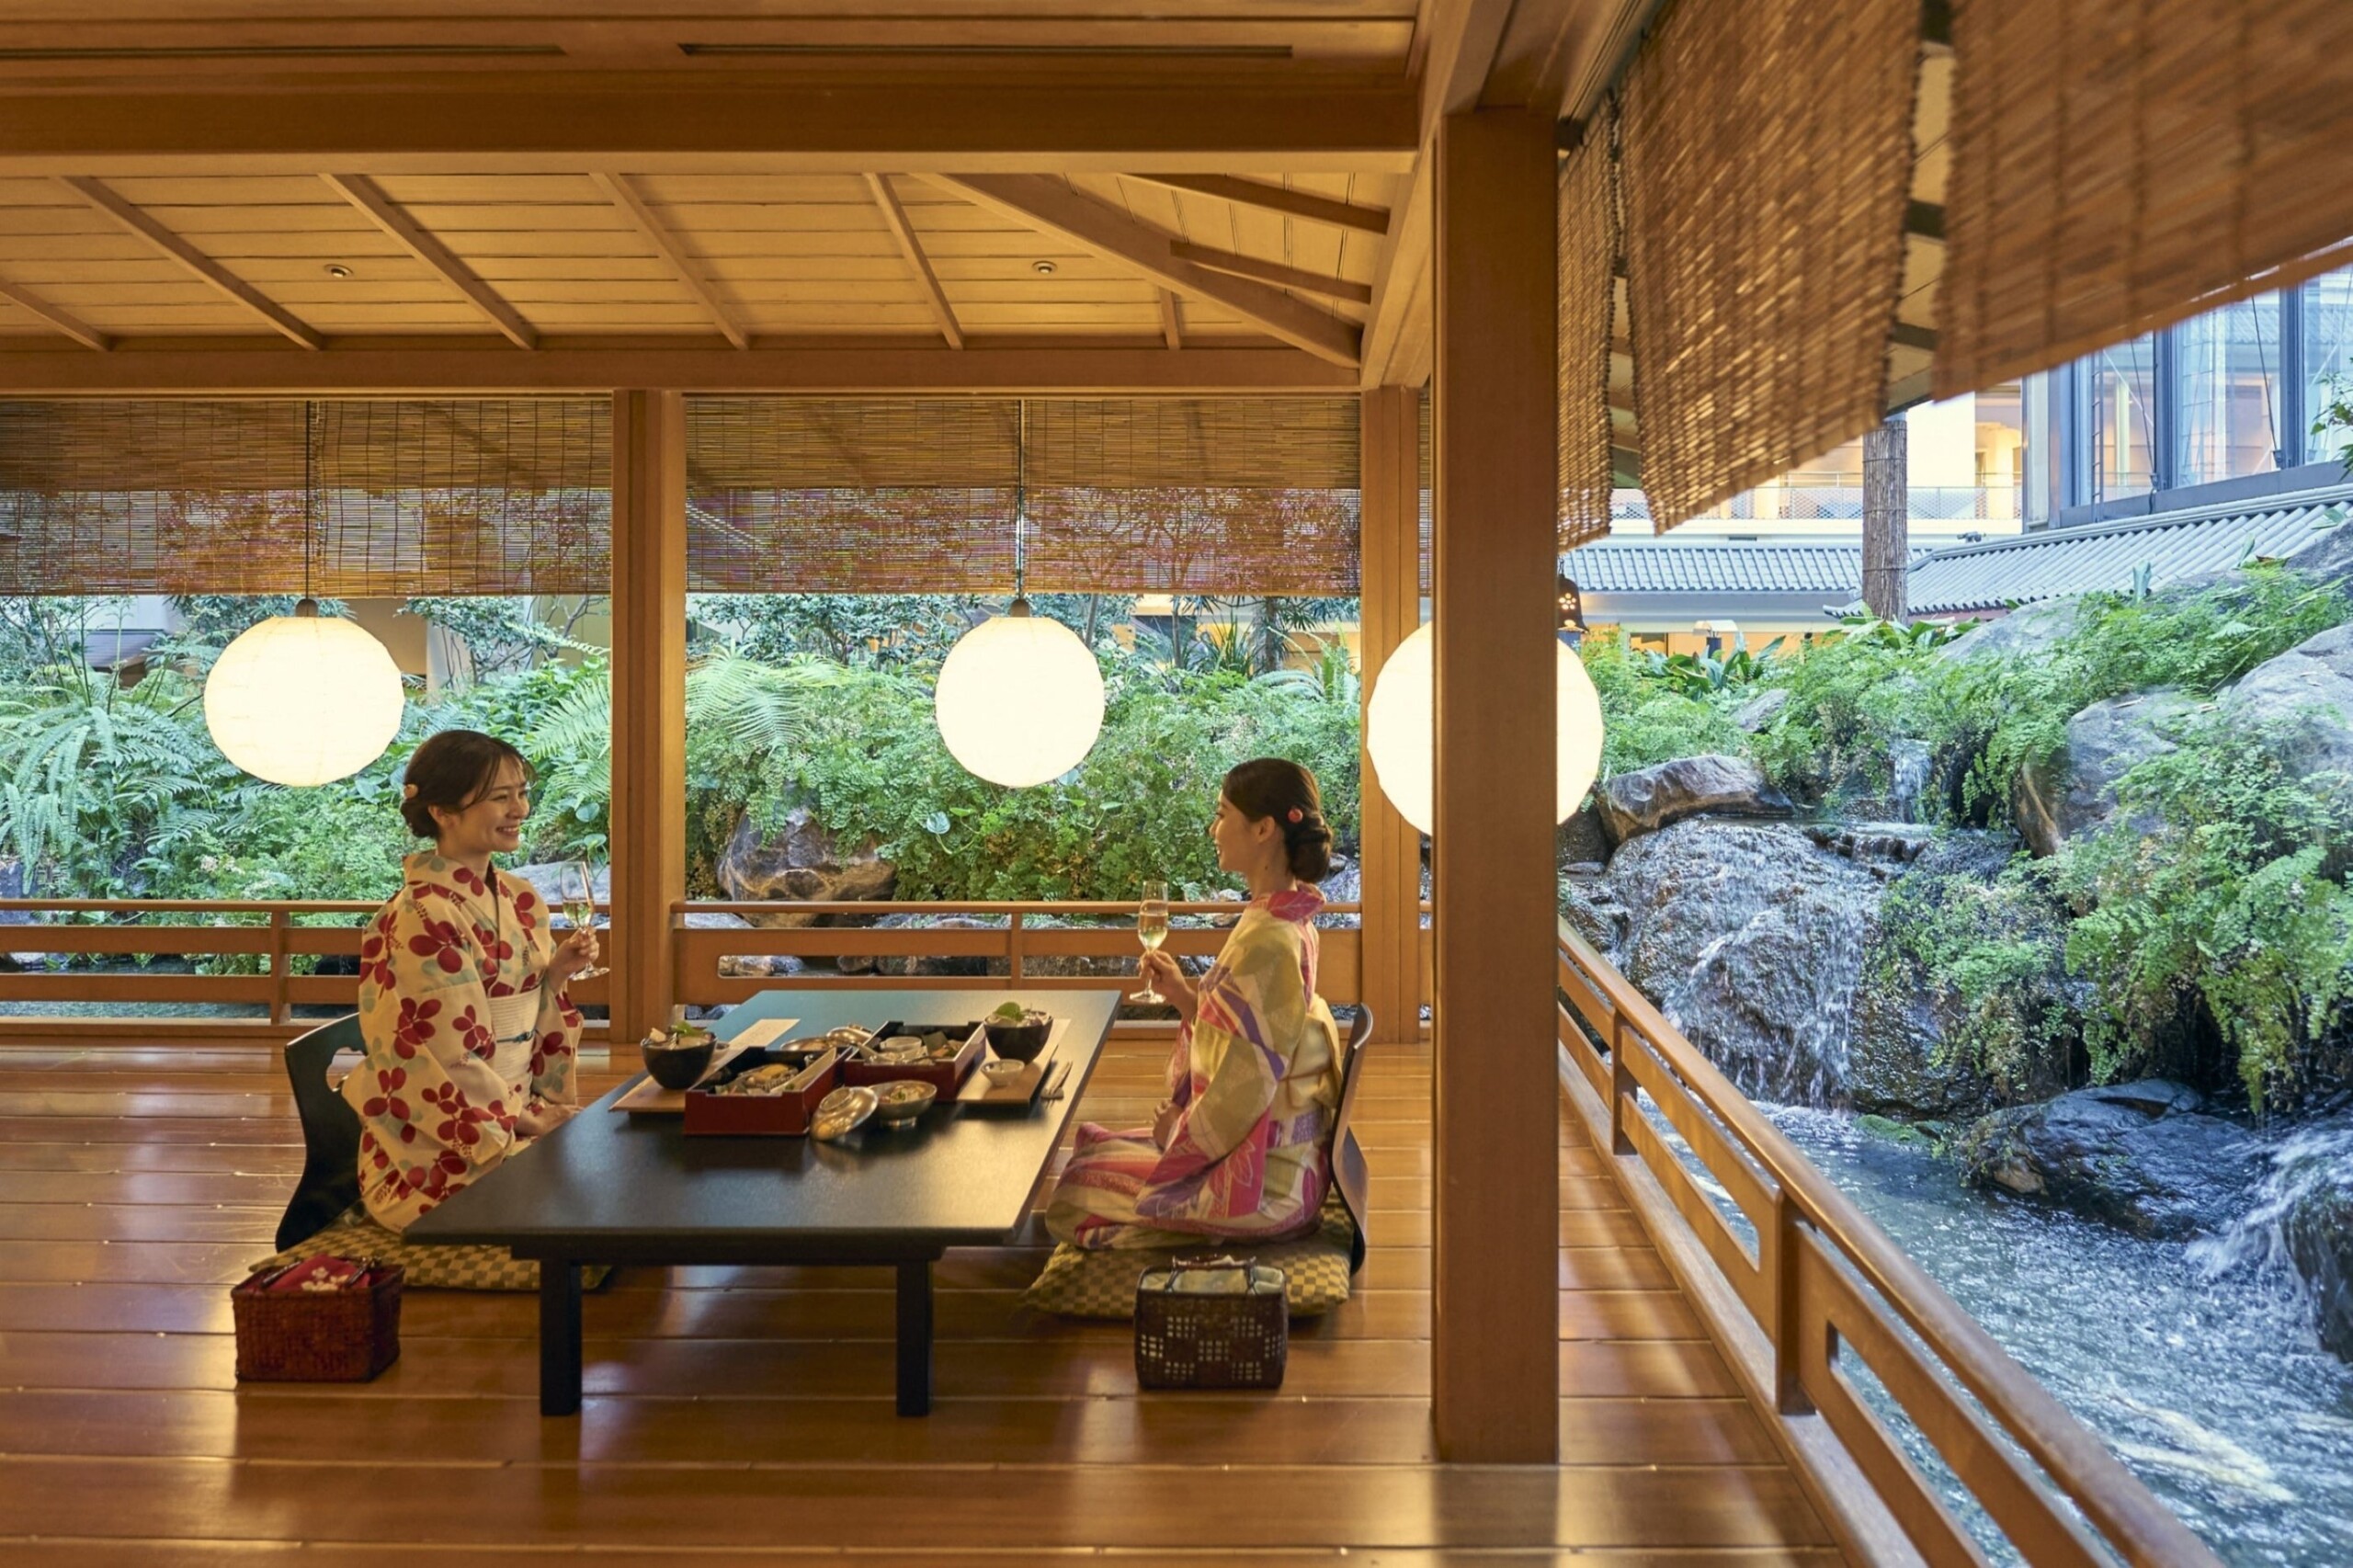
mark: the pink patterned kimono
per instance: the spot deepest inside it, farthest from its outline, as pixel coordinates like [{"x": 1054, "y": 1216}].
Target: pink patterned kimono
[
  {"x": 461, "y": 1035},
  {"x": 1256, "y": 1079}
]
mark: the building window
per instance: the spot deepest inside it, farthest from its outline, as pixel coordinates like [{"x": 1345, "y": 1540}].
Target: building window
[
  {"x": 2122, "y": 382},
  {"x": 2228, "y": 368},
  {"x": 2328, "y": 362}
]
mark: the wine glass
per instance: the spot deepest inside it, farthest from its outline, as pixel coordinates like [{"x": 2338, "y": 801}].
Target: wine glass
[
  {"x": 580, "y": 906},
  {"x": 1152, "y": 929}
]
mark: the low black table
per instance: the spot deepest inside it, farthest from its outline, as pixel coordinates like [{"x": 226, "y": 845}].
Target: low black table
[{"x": 608, "y": 1187}]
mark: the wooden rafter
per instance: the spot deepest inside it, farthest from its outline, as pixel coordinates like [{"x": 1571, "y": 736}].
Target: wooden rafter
[
  {"x": 1049, "y": 205},
  {"x": 1278, "y": 199},
  {"x": 1273, "y": 272},
  {"x": 390, "y": 216},
  {"x": 71, "y": 326},
  {"x": 1172, "y": 325},
  {"x": 911, "y": 246},
  {"x": 488, "y": 366},
  {"x": 622, "y": 195},
  {"x": 195, "y": 260}
]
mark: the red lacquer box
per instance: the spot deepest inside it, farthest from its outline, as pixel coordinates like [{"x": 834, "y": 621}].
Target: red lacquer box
[
  {"x": 942, "y": 1075},
  {"x": 774, "y": 1115}
]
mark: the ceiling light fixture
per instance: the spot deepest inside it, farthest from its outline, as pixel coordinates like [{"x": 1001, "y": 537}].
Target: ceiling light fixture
[{"x": 1044, "y": 269}]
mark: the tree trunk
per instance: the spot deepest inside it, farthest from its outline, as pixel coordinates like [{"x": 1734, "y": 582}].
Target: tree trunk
[{"x": 1887, "y": 544}]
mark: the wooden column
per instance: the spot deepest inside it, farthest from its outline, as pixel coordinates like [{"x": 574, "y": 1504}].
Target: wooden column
[
  {"x": 1389, "y": 847},
  {"x": 649, "y": 813},
  {"x": 1887, "y": 521},
  {"x": 1496, "y": 1203}
]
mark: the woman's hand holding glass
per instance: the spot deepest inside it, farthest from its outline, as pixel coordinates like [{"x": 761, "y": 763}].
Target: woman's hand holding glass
[
  {"x": 1163, "y": 974},
  {"x": 576, "y": 954}
]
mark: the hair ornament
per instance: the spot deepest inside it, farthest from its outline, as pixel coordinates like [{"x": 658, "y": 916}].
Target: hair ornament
[
  {"x": 1294, "y": 814},
  {"x": 409, "y": 792}
]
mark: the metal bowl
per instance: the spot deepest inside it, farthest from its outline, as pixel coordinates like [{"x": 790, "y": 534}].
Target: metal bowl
[
  {"x": 841, "y": 1112},
  {"x": 899, "y": 1102}
]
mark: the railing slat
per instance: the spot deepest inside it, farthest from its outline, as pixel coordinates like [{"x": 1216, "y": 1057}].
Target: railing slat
[
  {"x": 1688, "y": 1115},
  {"x": 1731, "y": 1260}
]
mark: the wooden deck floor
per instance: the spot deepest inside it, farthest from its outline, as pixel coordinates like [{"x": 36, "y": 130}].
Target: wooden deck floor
[{"x": 745, "y": 1415}]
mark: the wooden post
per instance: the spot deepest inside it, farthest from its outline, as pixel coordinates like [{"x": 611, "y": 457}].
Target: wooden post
[
  {"x": 1389, "y": 848},
  {"x": 1496, "y": 1125},
  {"x": 649, "y": 809},
  {"x": 1887, "y": 533}
]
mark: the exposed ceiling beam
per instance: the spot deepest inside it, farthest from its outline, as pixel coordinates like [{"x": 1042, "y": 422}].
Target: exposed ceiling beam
[
  {"x": 656, "y": 233},
  {"x": 195, "y": 260},
  {"x": 1048, "y": 204},
  {"x": 412, "y": 236},
  {"x": 71, "y": 326},
  {"x": 655, "y": 123},
  {"x": 1171, "y": 325},
  {"x": 1278, "y": 199},
  {"x": 1273, "y": 272},
  {"x": 486, "y": 365},
  {"x": 910, "y": 246}
]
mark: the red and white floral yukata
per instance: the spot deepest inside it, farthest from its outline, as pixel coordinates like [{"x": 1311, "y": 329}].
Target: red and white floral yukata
[
  {"x": 461, "y": 1036},
  {"x": 1256, "y": 1080}
]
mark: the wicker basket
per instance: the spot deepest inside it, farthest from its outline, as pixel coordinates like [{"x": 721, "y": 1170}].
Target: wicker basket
[
  {"x": 1211, "y": 1323},
  {"x": 338, "y": 1337}
]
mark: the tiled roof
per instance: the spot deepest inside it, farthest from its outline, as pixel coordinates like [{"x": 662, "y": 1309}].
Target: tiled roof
[
  {"x": 2062, "y": 562},
  {"x": 1669, "y": 566}
]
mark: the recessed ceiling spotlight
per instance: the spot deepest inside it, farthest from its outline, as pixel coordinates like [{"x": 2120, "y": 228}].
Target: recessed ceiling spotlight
[
  {"x": 1042, "y": 268},
  {"x": 337, "y": 269}
]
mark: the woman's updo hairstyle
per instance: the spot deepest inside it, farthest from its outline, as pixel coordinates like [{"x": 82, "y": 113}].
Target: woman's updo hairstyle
[
  {"x": 452, "y": 770},
  {"x": 1275, "y": 787}
]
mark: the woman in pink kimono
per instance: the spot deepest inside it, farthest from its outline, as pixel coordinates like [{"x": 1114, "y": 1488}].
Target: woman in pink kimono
[
  {"x": 469, "y": 1036},
  {"x": 1240, "y": 1147}
]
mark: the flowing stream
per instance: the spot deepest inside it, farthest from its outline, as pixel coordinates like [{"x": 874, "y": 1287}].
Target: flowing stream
[{"x": 2198, "y": 1362}]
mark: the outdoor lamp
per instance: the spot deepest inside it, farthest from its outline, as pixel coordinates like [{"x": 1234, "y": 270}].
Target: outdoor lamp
[
  {"x": 1019, "y": 700},
  {"x": 1398, "y": 733},
  {"x": 303, "y": 699}
]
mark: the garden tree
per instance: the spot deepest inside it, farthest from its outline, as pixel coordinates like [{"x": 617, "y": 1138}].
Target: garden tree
[
  {"x": 503, "y": 633},
  {"x": 878, "y": 630}
]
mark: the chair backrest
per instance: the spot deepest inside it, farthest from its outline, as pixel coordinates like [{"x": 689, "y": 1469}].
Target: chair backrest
[
  {"x": 1349, "y": 1173},
  {"x": 329, "y": 1181}
]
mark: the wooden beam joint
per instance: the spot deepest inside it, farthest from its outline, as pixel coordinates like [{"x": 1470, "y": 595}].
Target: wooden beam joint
[{"x": 394, "y": 220}]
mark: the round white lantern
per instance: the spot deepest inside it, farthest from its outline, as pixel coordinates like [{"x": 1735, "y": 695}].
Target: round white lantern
[
  {"x": 1398, "y": 719},
  {"x": 303, "y": 699},
  {"x": 1020, "y": 699}
]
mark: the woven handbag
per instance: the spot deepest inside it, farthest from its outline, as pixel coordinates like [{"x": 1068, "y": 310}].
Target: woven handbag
[
  {"x": 339, "y": 1336},
  {"x": 1211, "y": 1323}
]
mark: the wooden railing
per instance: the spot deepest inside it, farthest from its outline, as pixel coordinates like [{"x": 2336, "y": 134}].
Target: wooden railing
[
  {"x": 1822, "y": 1291},
  {"x": 275, "y": 933}
]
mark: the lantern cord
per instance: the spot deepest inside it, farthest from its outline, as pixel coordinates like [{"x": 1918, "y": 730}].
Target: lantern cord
[{"x": 310, "y": 485}]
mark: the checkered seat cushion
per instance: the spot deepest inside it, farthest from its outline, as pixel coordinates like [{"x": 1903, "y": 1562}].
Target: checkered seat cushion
[
  {"x": 427, "y": 1268},
  {"x": 1078, "y": 1283}
]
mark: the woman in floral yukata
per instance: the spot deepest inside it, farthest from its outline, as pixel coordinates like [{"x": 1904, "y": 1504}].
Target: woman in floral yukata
[
  {"x": 469, "y": 1036},
  {"x": 1240, "y": 1147}
]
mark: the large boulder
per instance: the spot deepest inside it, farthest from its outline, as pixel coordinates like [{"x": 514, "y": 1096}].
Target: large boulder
[
  {"x": 2142, "y": 1157},
  {"x": 1749, "y": 937},
  {"x": 2317, "y": 1228},
  {"x": 2302, "y": 701},
  {"x": 800, "y": 860},
  {"x": 2071, "y": 794},
  {"x": 1583, "y": 841},
  {"x": 1711, "y": 784},
  {"x": 2022, "y": 633}
]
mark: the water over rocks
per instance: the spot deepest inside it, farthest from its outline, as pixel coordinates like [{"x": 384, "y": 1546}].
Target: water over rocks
[
  {"x": 2142, "y": 1157},
  {"x": 799, "y": 858}
]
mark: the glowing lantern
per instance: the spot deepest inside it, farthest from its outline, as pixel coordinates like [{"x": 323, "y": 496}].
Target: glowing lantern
[
  {"x": 1398, "y": 734},
  {"x": 1020, "y": 699},
  {"x": 303, "y": 699}
]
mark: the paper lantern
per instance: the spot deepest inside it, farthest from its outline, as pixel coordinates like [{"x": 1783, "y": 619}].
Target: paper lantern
[
  {"x": 1397, "y": 730},
  {"x": 303, "y": 699},
  {"x": 1019, "y": 700}
]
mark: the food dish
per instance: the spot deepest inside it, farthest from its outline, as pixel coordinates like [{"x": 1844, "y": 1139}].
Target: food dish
[
  {"x": 1019, "y": 1033},
  {"x": 841, "y": 1112},
  {"x": 1002, "y": 1072},
  {"x": 900, "y": 1102},
  {"x": 676, "y": 1057}
]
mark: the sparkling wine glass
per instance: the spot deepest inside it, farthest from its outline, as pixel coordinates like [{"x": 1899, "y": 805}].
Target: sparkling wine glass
[
  {"x": 1152, "y": 929},
  {"x": 580, "y": 906}
]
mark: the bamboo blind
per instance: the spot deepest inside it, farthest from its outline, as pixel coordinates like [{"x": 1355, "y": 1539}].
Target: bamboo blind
[
  {"x": 1425, "y": 466},
  {"x": 1767, "y": 163},
  {"x": 392, "y": 498},
  {"x": 348, "y": 498},
  {"x": 2117, "y": 168},
  {"x": 1589, "y": 261}
]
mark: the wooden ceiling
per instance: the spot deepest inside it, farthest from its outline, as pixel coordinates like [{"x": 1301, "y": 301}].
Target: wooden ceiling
[{"x": 226, "y": 195}]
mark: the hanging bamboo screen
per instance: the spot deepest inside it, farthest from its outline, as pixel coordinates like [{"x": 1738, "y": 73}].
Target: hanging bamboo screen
[
  {"x": 1588, "y": 260},
  {"x": 1193, "y": 495},
  {"x": 2119, "y": 167},
  {"x": 499, "y": 497},
  {"x": 1768, "y": 157},
  {"x": 1426, "y": 466},
  {"x": 832, "y": 496}
]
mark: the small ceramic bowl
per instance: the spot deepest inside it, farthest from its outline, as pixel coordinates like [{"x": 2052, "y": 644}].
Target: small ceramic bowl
[
  {"x": 675, "y": 1063},
  {"x": 1003, "y": 1075},
  {"x": 900, "y": 1102},
  {"x": 1020, "y": 1040}
]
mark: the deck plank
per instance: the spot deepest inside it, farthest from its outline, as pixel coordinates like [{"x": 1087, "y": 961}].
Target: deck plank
[{"x": 744, "y": 1416}]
